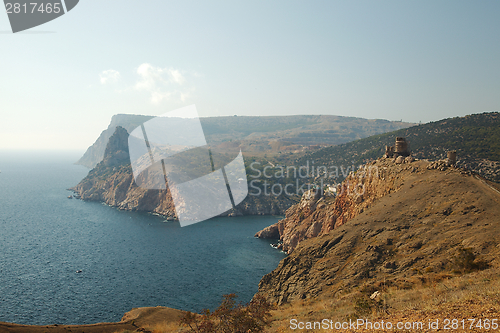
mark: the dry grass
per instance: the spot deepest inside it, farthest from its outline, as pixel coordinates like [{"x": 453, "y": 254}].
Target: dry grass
[
  {"x": 431, "y": 296},
  {"x": 164, "y": 328},
  {"x": 446, "y": 296}
]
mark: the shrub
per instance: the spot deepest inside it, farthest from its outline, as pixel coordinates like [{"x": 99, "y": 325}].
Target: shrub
[
  {"x": 465, "y": 261},
  {"x": 230, "y": 317},
  {"x": 363, "y": 306}
]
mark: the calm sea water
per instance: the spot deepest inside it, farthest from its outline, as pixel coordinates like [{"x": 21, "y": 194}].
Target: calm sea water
[{"x": 127, "y": 259}]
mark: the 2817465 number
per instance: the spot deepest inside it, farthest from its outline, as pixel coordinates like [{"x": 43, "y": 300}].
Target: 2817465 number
[
  {"x": 32, "y": 7},
  {"x": 455, "y": 324}
]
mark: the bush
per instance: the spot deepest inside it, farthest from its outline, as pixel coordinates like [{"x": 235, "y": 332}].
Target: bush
[
  {"x": 465, "y": 262},
  {"x": 363, "y": 306},
  {"x": 231, "y": 318}
]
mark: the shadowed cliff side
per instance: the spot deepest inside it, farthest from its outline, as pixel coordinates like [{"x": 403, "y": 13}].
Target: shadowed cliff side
[
  {"x": 96, "y": 152},
  {"x": 112, "y": 182}
]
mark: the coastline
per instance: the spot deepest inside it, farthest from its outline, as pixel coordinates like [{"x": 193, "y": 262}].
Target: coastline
[{"x": 135, "y": 319}]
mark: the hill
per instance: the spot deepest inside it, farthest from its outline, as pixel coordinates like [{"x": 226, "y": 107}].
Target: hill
[
  {"x": 476, "y": 138},
  {"x": 259, "y": 135},
  {"x": 387, "y": 230},
  {"x": 413, "y": 234}
]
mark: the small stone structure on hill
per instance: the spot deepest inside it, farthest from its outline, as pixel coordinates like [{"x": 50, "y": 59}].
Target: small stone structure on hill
[
  {"x": 452, "y": 157},
  {"x": 399, "y": 149},
  {"x": 442, "y": 165}
]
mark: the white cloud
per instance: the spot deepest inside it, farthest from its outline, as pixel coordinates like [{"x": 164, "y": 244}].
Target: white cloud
[
  {"x": 109, "y": 75},
  {"x": 162, "y": 83},
  {"x": 176, "y": 76},
  {"x": 157, "y": 96}
]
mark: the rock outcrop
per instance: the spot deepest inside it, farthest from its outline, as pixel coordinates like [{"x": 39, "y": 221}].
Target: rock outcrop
[
  {"x": 412, "y": 223},
  {"x": 96, "y": 152},
  {"x": 316, "y": 214},
  {"x": 112, "y": 182}
]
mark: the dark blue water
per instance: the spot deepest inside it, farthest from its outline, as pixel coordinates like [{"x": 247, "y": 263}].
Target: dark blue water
[{"x": 127, "y": 259}]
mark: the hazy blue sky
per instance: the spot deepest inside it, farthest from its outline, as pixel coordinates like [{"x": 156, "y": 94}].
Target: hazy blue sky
[{"x": 410, "y": 60}]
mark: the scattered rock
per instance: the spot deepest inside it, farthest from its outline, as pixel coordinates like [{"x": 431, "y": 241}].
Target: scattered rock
[
  {"x": 409, "y": 159},
  {"x": 353, "y": 249},
  {"x": 375, "y": 295},
  {"x": 399, "y": 160}
]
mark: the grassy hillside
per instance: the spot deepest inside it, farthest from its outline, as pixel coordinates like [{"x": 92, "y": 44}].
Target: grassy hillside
[
  {"x": 425, "y": 249},
  {"x": 476, "y": 138}
]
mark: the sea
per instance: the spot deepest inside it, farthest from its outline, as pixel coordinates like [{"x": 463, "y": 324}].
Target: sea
[{"x": 67, "y": 261}]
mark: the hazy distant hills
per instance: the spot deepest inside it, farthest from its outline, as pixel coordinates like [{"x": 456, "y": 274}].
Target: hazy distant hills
[
  {"x": 261, "y": 134},
  {"x": 476, "y": 138},
  {"x": 95, "y": 153}
]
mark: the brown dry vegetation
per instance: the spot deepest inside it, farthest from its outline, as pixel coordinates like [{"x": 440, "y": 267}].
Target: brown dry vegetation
[
  {"x": 428, "y": 246},
  {"x": 159, "y": 319},
  {"x": 433, "y": 297},
  {"x": 474, "y": 295}
]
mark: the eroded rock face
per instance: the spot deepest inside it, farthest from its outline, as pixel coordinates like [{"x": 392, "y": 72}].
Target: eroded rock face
[
  {"x": 316, "y": 215},
  {"x": 112, "y": 182},
  {"x": 410, "y": 225},
  {"x": 96, "y": 152}
]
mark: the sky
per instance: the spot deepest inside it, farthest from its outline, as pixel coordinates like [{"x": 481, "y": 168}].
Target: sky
[{"x": 416, "y": 61}]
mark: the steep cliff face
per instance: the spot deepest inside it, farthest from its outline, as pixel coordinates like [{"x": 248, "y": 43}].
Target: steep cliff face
[
  {"x": 413, "y": 223},
  {"x": 316, "y": 214},
  {"x": 112, "y": 182},
  {"x": 96, "y": 152}
]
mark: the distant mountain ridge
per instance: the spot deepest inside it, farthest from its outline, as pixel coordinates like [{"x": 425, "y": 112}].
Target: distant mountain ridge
[
  {"x": 260, "y": 134},
  {"x": 476, "y": 138}
]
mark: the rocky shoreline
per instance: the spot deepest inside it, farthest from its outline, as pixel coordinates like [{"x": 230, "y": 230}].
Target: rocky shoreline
[
  {"x": 112, "y": 182},
  {"x": 393, "y": 221}
]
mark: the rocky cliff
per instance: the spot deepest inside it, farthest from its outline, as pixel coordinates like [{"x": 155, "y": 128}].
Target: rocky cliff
[
  {"x": 317, "y": 214},
  {"x": 392, "y": 224},
  {"x": 111, "y": 181},
  {"x": 95, "y": 153}
]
